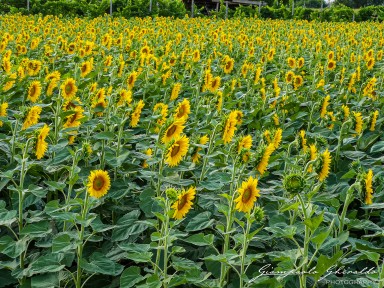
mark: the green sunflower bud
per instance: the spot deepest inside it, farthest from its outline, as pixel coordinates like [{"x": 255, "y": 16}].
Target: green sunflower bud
[
  {"x": 294, "y": 183},
  {"x": 258, "y": 213},
  {"x": 171, "y": 194}
]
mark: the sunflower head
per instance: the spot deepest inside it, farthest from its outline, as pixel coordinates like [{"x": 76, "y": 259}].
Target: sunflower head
[
  {"x": 183, "y": 203},
  {"x": 294, "y": 183},
  {"x": 258, "y": 213},
  {"x": 172, "y": 194},
  {"x": 248, "y": 194},
  {"x": 99, "y": 183}
]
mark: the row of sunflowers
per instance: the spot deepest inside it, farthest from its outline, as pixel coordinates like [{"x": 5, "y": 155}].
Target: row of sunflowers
[{"x": 190, "y": 152}]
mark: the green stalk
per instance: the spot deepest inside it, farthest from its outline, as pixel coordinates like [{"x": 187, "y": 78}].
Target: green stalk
[
  {"x": 166, "y": 232},
  {"x": 303, "y": 277},
  {"x": 339, "y": 142},
  {"x": 211, "y": 139},
  {"x": 21, "y": 198},
  {"x": 224, "y": 270},
  {"x": 81, "y": 245},
  {"x": 244, "y": 252}
]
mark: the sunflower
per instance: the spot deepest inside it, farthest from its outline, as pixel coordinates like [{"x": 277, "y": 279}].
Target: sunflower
[
  {"x": 300, "y": 62},
  {"x": 219, "y": 103},
  {"x": 41, "y": 145},
  {"x": 368, "y": 187},
  {"x": 135, "y": 117},
  {"x": 262, "y": 165},
  {"x": 183, "y": 109},
  {"x": 55, "y": 75},
  {"x": 173, "y": 130},
  {"x": 196, "y": 56},
  {"x": 297, "y": 81},
  {"x": 175, "y": 91},
  {"x": 358, "y": 119},
  {"x": 162, "y": 109},
  {"x": 245, "y": 142},
  {"x": 312, "y": 155},
  {"x": 370, "y": 63},
  {"x": 276, "y": 119},
  {"x": 98, "y": 183},
  {"x": 257, "y": 75},
  {"x": 149, "y": 153},
  {"x": 229, "y": 63},
  {"x": 331, "y": 65},
  {"x": 176, "y": 150},
  {"x": 277, "y": 138},
  {"x": 291, "y": 62},
  {"x": 33, "y": 67},
  {"x": 34, "y": 91},
  {"x": 120, "y": 70},
  {"x": 32, "y": 117},
  {"x": 85, "y": 68},
  {"x": 248, "y": 194},
  {"x": 131, "y": 80},
  {"x": 331, "y": 55},
  {"x": 230, "y": 127},
  {"x": 289, "y": 77},
  {"x": 183, "y": 203},
  {"x": 3, "y": 111},
  {"x": 215, "y": 84},
  {"x": 325, "y": 165},
  {"x": 125, "y": 97},
  {"x": 345, "y": 112},
  {"x": 303, "y": 140},
  {"x": 372, "y": 124},
  {"x": 68, "y": 89},
  {"x": 324, "y": 106},
  {"x": 73, "y": 120}
]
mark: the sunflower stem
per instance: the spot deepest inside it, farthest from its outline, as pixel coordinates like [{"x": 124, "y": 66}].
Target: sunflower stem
[
  {"x": 81, "y": 243},
  {"x": 165, "y": 244},
  {"x": 23, "y": 172},
  {"x": 224, "y": 270},
  {"x": 244, "y": 250},
  {"x": 208, "y": 152}
]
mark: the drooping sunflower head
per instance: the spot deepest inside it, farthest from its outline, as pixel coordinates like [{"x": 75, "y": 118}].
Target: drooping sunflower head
[
  {"x": 358, "y": 122},
  {"x": 248, "y": 194},
  {"x": 41, "y": 145},
  {"x": 368, "y": 187},
  {"x": 99, "y": 183},
  {"x": 294, "y": 183},
  {"x": 183, "y": 203},
  {"x": 324, "y": 166}
]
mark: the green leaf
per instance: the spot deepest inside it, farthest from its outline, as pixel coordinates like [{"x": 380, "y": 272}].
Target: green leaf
[
  {"x": 200, "y": 239},
  {"x": 38, "y": 229},
  {"x": 7, "y": 217},
  {"x": 373, "y": 256},
  {"x": 324, "y": 263},
  {"x": 104, "y": 136},
  {"x": 314, "y": 222},
  {"x": 128, "y": 225},
  {"x": 152, "y": 282},
  {"x": 45, "y": 280},
  {"x": 54, "y": 186},
  {"x": 99, "y": 263},
  {"x": 45, "y": 264},
  {"x": 140, "y": 257},
  {"x": 12, "y": 248},
  {"x": 378, "y": 147},
  {"x": 62, "y": 243},
  {"x": 135, "y": 247},
  {"x": 182, "y": 264},
  {"x": 130, "y": 277},
  {"x": 200, "y": 222}
]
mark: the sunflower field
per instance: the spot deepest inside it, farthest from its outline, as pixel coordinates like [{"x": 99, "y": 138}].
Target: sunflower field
[{"x": 159, "y": 152}]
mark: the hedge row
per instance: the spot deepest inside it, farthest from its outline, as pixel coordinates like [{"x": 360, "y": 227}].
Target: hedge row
[{"x": 176, "y": 8}]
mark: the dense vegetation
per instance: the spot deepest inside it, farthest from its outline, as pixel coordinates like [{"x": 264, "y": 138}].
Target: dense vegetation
[
  {"x": 176, "y": 8},
  {"x": 160, "y": 152}
]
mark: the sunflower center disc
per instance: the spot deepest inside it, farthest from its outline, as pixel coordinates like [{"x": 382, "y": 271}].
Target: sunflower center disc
[
  {"x": 98, "y": 183},
  {"x": 182, "y": 202},
  {"x": 175, "y": 150},
  {"x": 171, "y": 130},
  {"x": 247, "y": 195}
]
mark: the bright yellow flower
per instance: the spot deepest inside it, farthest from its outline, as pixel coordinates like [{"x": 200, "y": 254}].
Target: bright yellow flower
[
  {"x": 177, "y": 150},
  {"x": 183, "y": 203},
  {"x": 325, "y": 165},
  {"x": 99, "y": 183},
  {"x": 41, "y": 145},
  {"x": 368, "y": 188},
  {"x": 248, "y": 194}
]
